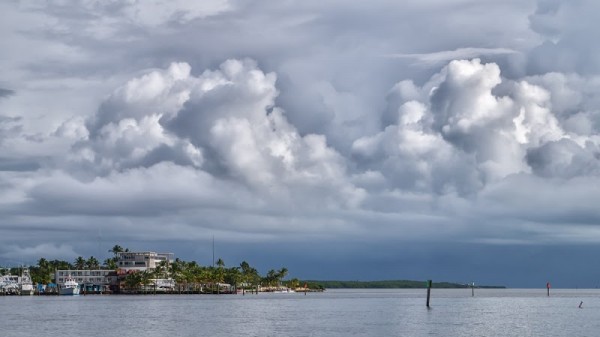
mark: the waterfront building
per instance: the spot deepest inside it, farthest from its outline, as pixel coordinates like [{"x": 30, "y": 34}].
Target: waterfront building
[
  {"x": 127, "y": 262},
  {"x": 92, "y": 280},
  {"x": 140, "y": 261},
  {"x": 132, "y": 262}
]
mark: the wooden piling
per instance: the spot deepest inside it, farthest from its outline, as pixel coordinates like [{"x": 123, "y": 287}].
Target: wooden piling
[
  {"x": 473, "y": 289},
  {"x": 548, "y": 289},
  {"x": 429, "y": 282}
]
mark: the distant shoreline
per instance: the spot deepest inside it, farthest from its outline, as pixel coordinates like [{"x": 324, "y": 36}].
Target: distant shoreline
[{"x": 395, "y": 284}]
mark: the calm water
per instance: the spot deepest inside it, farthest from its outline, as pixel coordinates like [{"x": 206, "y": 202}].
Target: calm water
[{"x": 334, "y": 313}]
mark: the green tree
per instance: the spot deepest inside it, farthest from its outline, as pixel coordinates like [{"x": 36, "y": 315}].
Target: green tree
[
  {"x": 145, "y": 278},
  {"x": 203, "y": 276},
  {"x": 220, "y": 274},
  {"x": 80, "y": 263},
  {"x": 43, "y": 264},
  {"x": 281, "y": 274},
  {"x": 116, "y": 250},
  {"x": 110, "y": 263},
  {"x": 133, "y": 281},
  {"x": 233, "y": 276},
  {"x": 42, "y": 273},
  {"x": 271, "y": 278},
  {"x": 92, "y": 263},
  {"x": 249, "y": 274},
  {"x": 161, "y": 270},
  {"x": 188, "y": 276},
  {"x": 60, "y": 265},
  {"x": 175, "y": 270},
  {"x": 294, "y": 283}
]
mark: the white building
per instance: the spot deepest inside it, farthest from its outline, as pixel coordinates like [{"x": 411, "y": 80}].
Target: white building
[
  {"x": 97, "y": 276},
  {"x": 140, "y": 261}
]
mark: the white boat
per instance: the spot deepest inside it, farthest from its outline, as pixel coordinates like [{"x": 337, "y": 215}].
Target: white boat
[
  {"x": 25, "y": 283},
  {"x": 9, "y": 284},
  {"x": 70, "y": 287}
]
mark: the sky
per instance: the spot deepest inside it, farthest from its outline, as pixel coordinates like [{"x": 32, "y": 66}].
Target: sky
[{"x": 453, "y": 140}]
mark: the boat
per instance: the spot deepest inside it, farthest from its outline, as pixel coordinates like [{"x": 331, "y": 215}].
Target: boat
[
  {"x": 9, "y": 285},
  {"x": 70, "y": 287},
  {"x": 25, "y": 283}
]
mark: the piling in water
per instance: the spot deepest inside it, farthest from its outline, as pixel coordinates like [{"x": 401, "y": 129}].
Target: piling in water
[{"x": 428, "y": 291}]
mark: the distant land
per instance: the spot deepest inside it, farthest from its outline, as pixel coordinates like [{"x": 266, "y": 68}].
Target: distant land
[{"x": 391, "y": 284}]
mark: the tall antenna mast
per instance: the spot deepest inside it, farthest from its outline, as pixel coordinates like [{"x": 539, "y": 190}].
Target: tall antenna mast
[{"x": 213, "y": 251}]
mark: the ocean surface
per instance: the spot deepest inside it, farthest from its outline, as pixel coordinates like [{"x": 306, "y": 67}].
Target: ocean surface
[{"x": 334, "y": 313}]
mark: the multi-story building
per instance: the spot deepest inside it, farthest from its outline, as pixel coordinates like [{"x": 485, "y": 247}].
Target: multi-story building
[
  {"x": 140, "y": 261},
  {"x": 96, "y": 278},
  {"x": 132, "y": 262},
  {"x": 127, "y": 263}
]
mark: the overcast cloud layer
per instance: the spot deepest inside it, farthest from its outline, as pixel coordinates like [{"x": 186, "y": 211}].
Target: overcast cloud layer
[{"x": 455, "y": 140}]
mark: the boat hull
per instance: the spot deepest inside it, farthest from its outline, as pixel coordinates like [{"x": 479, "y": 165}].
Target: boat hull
[
  {"x": 69, "y": 291},
  {"x": 25, "y": 291}
]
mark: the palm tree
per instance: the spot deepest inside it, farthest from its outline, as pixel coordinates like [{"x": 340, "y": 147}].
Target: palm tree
[
  {"x": 146, "y": 277},
  {"x": 42, "y": 273},
  {"x": 110, "y": 263},
  {"x": 281, "y": 274},
  {"x": 92, "y": 263},
  {"x": 175, "y": 270},
  {"x": 161, "y": 269},
  {"x": 245, "y": 267},
  {"x": 294, "y": 283},
  {"x": 116, "y": 250},
  {"x": 203, "y": 276},
  {"x": 220, "y": 274},
  {"x": 249, "y": 274},
  {"x": 188, "y": 277},
  {"x": 43, "y": 263},
  {"x": 80, "y": 263},
  {"x": 133, "y": 281},
  {"x": 271, "y": 277},
  {"x": 58, "y": 264},
  {"x": 233, "y": 276}
]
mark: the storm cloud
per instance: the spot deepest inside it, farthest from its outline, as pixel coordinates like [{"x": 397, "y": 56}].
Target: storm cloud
[{"x": 314, "y": 135}]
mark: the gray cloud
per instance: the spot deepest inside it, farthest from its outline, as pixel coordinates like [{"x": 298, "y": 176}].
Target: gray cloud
[
  {"x": 289, "y": 125},
  {"x": 564, "y": 158},
  {"x": 567, "y": 29},
  {"x": 6, "y": 92}
]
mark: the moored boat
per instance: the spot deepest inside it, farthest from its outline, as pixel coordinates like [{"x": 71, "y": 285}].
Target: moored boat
[
  {"x": 25, "y": 283},
  {"x": 9, "y": 285},
  {"x": 70, "y": 287}
]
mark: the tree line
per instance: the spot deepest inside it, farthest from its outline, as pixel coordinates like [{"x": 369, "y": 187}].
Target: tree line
[{"x": 187, "y": 275}]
